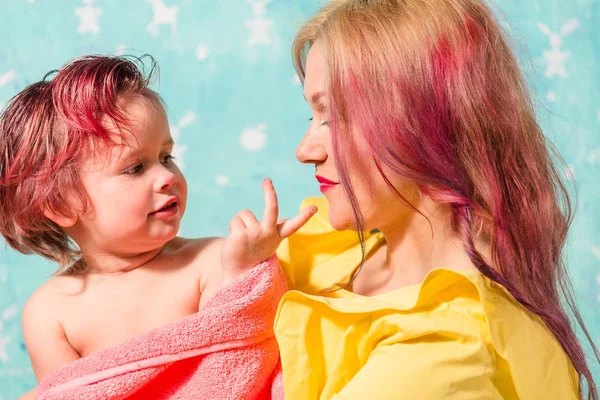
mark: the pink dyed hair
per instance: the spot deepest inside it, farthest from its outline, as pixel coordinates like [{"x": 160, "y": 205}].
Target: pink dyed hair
[
  {"x": 436, "y": 92},
  {"x": 44, "y": 131}
]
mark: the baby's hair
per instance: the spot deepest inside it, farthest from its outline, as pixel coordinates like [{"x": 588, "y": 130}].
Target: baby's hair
[{"x": 44, "y": 131}]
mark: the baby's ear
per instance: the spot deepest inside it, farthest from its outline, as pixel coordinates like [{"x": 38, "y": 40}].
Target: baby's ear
[
  {"x": 59, "y": 219},
  {"x": 65, "y": 209}
]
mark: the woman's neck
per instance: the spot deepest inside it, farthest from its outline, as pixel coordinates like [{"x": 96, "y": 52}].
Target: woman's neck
[{"x": 414, "y": 246}]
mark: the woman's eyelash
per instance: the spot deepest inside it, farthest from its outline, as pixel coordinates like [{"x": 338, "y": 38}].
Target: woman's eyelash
[{"x": 324, "y": 123}]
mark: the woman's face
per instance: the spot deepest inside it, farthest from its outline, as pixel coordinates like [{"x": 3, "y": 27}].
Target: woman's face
[{"x": 379, "y": 204}]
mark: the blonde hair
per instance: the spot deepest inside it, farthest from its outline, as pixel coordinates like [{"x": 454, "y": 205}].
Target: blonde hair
[{"x": 435, "y": 90}]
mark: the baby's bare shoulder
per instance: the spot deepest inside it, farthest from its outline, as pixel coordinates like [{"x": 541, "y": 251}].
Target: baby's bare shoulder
[
  {"x": 48, "y": 301},
  {"x": 42, "y": 324},
  {"x": 57, "y": 288},
  {"x": 203, "y": 256},
  {"x": 198, "y": 250}
]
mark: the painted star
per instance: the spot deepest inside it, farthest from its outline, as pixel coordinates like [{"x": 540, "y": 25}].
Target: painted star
[
  {"x": 259, "y": 29},
  {"x": 88, "y": 18},
  {"x": 556, "y": 59}
]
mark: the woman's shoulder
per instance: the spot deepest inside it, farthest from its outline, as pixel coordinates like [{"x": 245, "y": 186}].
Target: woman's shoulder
[
  {"x": 468, "y": 303},
  {"x": 522, "y": 339},
  {"x": 477, "y": 309},
  {"x": 468, "y": 317}
]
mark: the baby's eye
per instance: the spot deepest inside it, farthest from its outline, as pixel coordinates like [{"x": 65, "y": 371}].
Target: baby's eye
[{"x": 135, "y": 170}]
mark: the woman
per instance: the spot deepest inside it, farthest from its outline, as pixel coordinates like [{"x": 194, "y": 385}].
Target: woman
[{"x": 424, "y": 136}]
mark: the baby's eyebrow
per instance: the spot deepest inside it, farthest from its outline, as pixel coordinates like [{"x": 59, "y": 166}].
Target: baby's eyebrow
[
  {"x": 131, "y": 153},
  {"x": 128, "y": 155},
  {"x": 125, "y": 151}
]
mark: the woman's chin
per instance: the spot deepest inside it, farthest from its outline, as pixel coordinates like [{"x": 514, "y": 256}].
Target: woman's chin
[{"x": 341, "y": 222}]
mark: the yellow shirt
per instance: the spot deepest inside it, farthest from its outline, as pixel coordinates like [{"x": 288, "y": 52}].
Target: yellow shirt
[{"x": 457, "y": 335}]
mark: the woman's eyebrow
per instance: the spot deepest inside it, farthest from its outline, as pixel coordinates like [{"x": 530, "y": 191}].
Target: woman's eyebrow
[
  {"x": 315, "y": 100},
  {"x": 315, "y": 97}
]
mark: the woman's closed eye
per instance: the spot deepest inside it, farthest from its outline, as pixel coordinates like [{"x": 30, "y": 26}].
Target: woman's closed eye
[{"x": 324, "y": 123}]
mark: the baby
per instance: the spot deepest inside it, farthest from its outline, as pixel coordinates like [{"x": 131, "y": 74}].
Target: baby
[{"x": 87, "y": 179}]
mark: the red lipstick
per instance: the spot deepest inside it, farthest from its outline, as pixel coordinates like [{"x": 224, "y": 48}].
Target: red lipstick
[{"x": 325, "y": 184}]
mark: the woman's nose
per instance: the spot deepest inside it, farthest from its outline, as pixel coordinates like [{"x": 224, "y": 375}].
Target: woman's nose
[{"x": 311, "y": 149}]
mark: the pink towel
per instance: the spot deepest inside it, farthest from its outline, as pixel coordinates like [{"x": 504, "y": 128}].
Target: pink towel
[{"x": 226, "y": 351}]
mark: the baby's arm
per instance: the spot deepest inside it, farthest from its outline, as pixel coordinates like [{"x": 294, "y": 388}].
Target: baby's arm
[
  {"x": 45, "y": 338},
  {"x": 251, "y": 241}
]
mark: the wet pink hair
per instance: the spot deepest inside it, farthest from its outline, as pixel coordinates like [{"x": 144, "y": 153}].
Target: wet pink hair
[
  {"x": 44, "y": 131},
  {"x": 436, "y": 93}
]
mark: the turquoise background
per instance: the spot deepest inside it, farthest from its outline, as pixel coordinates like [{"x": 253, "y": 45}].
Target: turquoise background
[{"x": 238, "y": 113}]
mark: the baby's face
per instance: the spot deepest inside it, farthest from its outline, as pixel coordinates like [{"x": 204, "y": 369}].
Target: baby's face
[{"x": 137, "y": 194}]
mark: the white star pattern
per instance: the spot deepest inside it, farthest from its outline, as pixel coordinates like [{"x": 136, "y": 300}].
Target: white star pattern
[
  {"x": 9, "y": 313},
  {"x": 259, "y": 26},
  {"x": 178, "y": 152},
  {"x": 594, "y": 156},
  {"x": 259, "y": 31},
  {"x": 556, "y": 58},
  {"x": 179, "y": 149},
  {"x": 202, "y": 52},
  {"x": 254, "y": 138},
  {"x": 222, "y": 180},
  {"x": 7, "y": 77},
  {"x": 88, "y": 18},
  {"x": 163, "y": 15},
  {"x": 4, "y": 342},
  {"x": 259, "y": 6}
]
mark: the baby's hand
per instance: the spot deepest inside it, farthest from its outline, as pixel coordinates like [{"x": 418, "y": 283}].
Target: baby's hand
[{"x": 251, "y": 242}]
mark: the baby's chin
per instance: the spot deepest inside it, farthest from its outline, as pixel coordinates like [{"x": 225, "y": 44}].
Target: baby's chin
[{"x": 161, "y": 238}]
